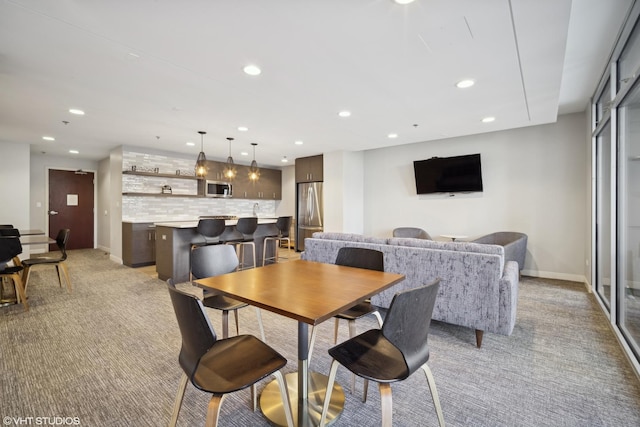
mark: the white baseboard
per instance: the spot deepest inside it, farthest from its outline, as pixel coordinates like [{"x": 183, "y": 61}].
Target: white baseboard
[
  {"x": 553, "y": 275},
  {"x": 115, "y": 259},
  {"x": 104, "y": 248}
]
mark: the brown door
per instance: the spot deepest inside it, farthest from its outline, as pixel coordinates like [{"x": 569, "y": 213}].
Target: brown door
[{"x": 71, "y": 206}]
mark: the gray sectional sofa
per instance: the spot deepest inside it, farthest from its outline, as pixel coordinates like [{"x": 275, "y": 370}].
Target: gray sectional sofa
[{"x": 478, "y": 288}]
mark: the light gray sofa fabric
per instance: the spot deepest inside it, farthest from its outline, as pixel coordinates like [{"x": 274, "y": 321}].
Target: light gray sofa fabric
[
  {"x": 514, "y": 243},
  {"x": 477, "y": 289}
]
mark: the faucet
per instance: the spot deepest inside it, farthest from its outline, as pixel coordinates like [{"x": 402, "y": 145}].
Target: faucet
[{"x": 256, "y": 209}]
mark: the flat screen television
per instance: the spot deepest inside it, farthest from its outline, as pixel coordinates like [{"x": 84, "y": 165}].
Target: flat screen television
[{"x": 448, "y": 174}]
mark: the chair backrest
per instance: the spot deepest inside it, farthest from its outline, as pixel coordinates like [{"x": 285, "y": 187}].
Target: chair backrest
[
  {"x": 213, "y": 260},
  {"x": 10, "y": 245},
  {"x": 247, "y": 226},
  {"x": 6, "y": 226},
  {"x": 370, "y": 259},
  {"x": 407, "y": 323},
  {"x": 414, "y": 232},
  {"x": 198, "y": 336},
  {"x": 210, "y": 227},
  {"x": 283, "y": 224},
  {"x": 61, "y": 240}
]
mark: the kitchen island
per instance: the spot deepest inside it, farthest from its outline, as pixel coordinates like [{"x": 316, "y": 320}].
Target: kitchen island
[{"x": 174, "y": 239}]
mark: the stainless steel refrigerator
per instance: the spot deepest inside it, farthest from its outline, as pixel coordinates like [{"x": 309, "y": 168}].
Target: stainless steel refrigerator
[{"x": 309, "y": 210}]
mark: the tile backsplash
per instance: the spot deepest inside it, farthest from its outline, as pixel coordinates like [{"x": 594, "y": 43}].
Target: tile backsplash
[{"x": 154, "y": 209}]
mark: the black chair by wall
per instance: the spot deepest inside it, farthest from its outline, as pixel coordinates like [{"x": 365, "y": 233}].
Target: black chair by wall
[
  {"x": 221, "y": 366},
  {"x": 10, "y": 248},
  {"x": 392, "y": 353},
  {"x": 61, "y": 267},
  {"x": 214, "y": 260}
]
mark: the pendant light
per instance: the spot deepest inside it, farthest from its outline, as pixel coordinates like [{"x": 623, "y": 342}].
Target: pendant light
[
  {"x": 230, "y": 167},
  {"x": 201, "y": 162},
  {"x": 254, "y": 172}
]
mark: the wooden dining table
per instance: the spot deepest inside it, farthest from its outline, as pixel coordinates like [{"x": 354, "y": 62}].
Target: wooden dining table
[{"x": 309, "y": 292}]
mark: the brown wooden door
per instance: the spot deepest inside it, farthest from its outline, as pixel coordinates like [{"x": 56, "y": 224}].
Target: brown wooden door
[{"x": 71, "y": 206}]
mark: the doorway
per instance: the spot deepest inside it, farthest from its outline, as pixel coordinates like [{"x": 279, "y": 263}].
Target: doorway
[{"x": 71, "y": 205}]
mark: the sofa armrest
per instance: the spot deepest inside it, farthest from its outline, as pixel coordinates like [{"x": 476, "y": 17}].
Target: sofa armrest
[{"x": 508, "y": 285}]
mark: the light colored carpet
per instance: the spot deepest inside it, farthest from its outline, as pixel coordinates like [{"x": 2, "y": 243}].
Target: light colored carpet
[{"x": 107, "y": 354}]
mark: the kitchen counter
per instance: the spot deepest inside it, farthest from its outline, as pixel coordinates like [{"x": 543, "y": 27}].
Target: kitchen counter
[
  {"x": 194, "y": 223},
  {"x": 174, "y": 239}
]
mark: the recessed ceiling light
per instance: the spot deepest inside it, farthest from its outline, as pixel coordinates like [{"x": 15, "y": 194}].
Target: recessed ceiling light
[
  {"x": 298, "y": 142},
  {"x": 344, "y": 113},
  {"x": 243, "y": 128},
  {"x": 284, "y": 159},
  {"x": 48, "y": 138},
  {"x": 392, "y": 135},
  {"x": 244, "y": 153},
  {"x": 488, "y": 119},
  {"x": 403, "y": 1},
  {"x": 76, "y": 112},
  {"x": 74, "y": 151},
  {"x": 463, "y": 84},
  {"x": 191, "y": 144},
  {"x": 252, "y": 70}
]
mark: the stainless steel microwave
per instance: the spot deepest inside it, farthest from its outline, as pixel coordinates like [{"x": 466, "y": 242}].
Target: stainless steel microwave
[{"x": 218, "y": 189}]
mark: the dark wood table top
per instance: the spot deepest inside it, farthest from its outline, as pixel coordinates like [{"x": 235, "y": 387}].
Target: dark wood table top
[{"x": 309, "y": 292}]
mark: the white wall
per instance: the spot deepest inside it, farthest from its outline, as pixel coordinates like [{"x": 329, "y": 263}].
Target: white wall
[
  {"x": 343, "y": 190},
  {"x": 534, "y": 182},
  {"x": 14, "y": 185},
  {"x": 104, "y": 205}
]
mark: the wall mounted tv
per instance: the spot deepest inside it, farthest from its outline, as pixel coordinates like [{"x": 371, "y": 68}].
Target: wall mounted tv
[{"x": 448, "y": 174}]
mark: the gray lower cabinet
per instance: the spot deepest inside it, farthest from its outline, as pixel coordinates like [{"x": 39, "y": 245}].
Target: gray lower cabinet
[{"x": 138, "y": 244}]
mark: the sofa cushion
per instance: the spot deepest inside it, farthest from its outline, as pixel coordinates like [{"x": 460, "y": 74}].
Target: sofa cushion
[{"x": 350, "y": 237}]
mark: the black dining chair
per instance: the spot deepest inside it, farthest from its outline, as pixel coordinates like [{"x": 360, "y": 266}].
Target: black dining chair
[
  {"x": 370, "y": 259},
  {"x": 283, "y": 224},
  {"x": 220, "y": 366},
  {"x": 392, "y": 353},
  {"x": 61, "y": 267},
  {"x": 214, "y": 260},
  {"x": 10, "y": 248},
  {"x": 247, "y": 227}
]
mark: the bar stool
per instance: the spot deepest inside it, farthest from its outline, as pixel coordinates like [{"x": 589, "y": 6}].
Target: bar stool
[
  {"x": 247, "y": 226},
  {"x": 283, "y": 224},
  {"x": 210, "y": 229}
]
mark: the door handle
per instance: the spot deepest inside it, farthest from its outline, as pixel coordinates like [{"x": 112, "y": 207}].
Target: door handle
[{"x": 53, "y": 212}]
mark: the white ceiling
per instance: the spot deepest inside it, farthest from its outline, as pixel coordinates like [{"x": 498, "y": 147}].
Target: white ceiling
[{"x": 151, "y": 73}]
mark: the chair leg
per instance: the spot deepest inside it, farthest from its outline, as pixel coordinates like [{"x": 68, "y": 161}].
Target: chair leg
[
  {"x": 225, "y": 324},
  {"x": 59, "y": 276},
  {"x": 21, "y": 295},
  {"x": 434, "y": 393},
  {"x": 254, "y": 397},
  {"x": 387, "y": 404},
  {"x": 260, "y": 324},
  {"x": 312, "y": 342},
  {"x": 377, "y": 314},
  {"x": 25, "y": 277},
  {"x": 352, "y": 333},
  {"x": 327, "y": 396},
  {"x": 284, "y": 394},
  {"x": 235, "y": 314},
  {"x": 335, "y": 330},
  {"x": 365, "y": 390},
  {"x": 213, "y": 410},
  {"x": 65, "y": 270},
  {"x": 479, "y": 335},
  {"x": 178, "y": 402}
]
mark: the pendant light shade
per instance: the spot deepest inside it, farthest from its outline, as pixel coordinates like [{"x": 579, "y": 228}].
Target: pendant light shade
[
  {"x": 201, "y": 162},
  {"x": 230, "y": 167},
  {"x": 254, "y": 171}
]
